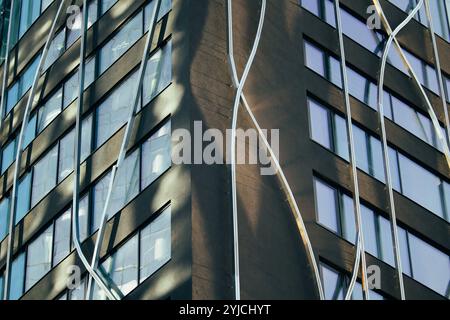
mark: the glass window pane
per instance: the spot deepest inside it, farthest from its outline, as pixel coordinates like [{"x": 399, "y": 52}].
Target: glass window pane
[
  {"x": 370, "y": 233},
  {"x": 333, "y": 283},
  {"x": 121, "y": 42},
  {"x": 314, "y": 58},
  {"x": 29, "y": 12},
  {"x": 50, "y": 110},
  {"x": 17, "y": 277},
  {"x": 67, "y": 148},
  {"x": 404, "y": 250},
  {"x": 44, "y": 175},
  {"x": 4, "y": 218},
  {"x": 156, "y": 155},
  {"x": 12, "y": 97},
  {"x": 122, "y": 266},
  {"x": 435, "y": 275},
  {"x": 155, "y": 247},
  {"x": 71, "y": 90},
  {"x": 57, "y": 48},
  {"x": 165, "y": 7},
  {"x": 420, "y": 185},
  {"x": 23, "y": 197},
  {"x": 113, "y": 112},
  {"x": 334, "y": 71},
  {"x": 83, "y": 217},
  {"x": 340, "y": 137},
  {"x": 348, "y": 219},
  {"x": 326, "y": 205},
  {"x": 99, "y": 198},
  {"x": 361, "y": 149},
  {"x": 126, "y": 183},
  {"x": 377, "y": 162},
  {"x": 62, "y": 237},
  {"x": 8, "y": 155},
  {"x": 39, "y": 258},
  {"x": 158, "y": 74},
  {"x": 106, "y": 5},
  {"x": 395, "y": 174},
  {"x": 385, "y": 236},
  {"x": 30, "y": 131},
  {"x": 319, "y": 124}
]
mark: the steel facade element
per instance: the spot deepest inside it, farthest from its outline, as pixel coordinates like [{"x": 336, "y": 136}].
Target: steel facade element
[
  {"x": 102, "y": 283},
  {"x": 360, "y": 254},
  {"x": 32, "y": 92},
  {"x": 233, "y": 143},
  {"x": 286, "y": 187},
  {"x": 125, "y": 141}
]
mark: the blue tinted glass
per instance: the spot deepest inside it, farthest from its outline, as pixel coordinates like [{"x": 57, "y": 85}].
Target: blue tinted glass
[
  {"x": 314, "y": 58},
  {"x": 326, "y": 205},
  {"x": 333, "y": 283},
  {"x": 361, "y": 149},
  {"x": 341, "y": 137},
  {"x": 4, "y": 218},
  {"x": 404, "y": 250},
  {"x": 420, "y": 185},
  {"x": 319, "y": 124},
  {"x": 8, "y": 155},
  {"x": 30, "y": 131},
  {"x": 370, "y": 233},
  {"x": 385, "y": 236},
  {"x": 23, "y": 197},
  {"x": 435, "y": 275},
  {"x": 39, "y": 258},
  {"x": 348, "y": 219},
  {"x": 17, "y": 277}
]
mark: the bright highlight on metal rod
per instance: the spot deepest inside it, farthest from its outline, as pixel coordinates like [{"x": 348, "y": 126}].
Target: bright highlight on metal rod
[
  {"x": 290, "y": 196},
  {"x": 360, "y": 254}
]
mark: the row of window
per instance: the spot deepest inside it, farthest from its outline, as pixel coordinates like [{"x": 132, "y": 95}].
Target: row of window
[
  {"x": 109, "y": 116},
  {"x": 134, "y": 261},
  {"x": 365, "y": 91},
  {"x": 374, "y": 41},
  {"x": 140, "y": 169},
  {"x": 410, "y": 179},
  {"x": 335, "y": 211},
  {"x": 440, "y": 12},
  {"x": 335, "y": 285}
]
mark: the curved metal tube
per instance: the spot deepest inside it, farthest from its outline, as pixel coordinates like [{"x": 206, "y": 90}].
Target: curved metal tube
[
  {"x": 32, "y": 92},
  {"x": 77, "y": 152},
  {"x": 413, "y": 75},
  {"x": 387, "y": 168},
  {"x": 360, "y": 251},
  {"x": 233, "y": 144},
  {"x": 438, "y": 67},
  {"x": 6, "y": 66},
  {"x": 123, "y": 148},
  {"x": 287, "y": 189}
]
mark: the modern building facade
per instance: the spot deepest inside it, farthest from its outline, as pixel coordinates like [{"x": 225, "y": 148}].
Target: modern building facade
[{"x": 170, "y": 232}]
